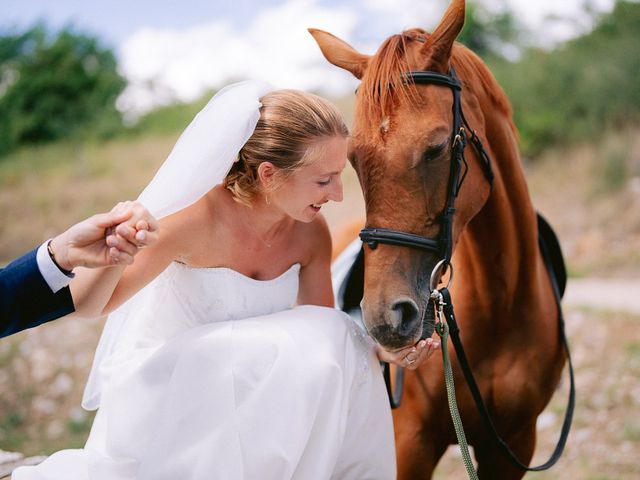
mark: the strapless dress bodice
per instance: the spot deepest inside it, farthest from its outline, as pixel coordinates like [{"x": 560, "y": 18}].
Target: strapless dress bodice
[
  {"x": 220, "y": 294},
  {"x": 184, "y": 297}
]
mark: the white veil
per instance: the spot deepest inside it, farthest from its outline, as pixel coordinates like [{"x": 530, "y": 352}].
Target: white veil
[{"x": 200, "y": 160}]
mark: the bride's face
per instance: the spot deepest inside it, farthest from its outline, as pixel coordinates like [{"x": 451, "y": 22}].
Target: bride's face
[{"x": 315, "y": 183}]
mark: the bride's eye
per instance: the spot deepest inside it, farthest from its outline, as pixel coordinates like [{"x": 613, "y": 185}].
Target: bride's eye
[{"x": 324, "y": 183}]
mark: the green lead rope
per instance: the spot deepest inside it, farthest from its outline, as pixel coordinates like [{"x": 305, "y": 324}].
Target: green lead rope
[{"x": 443, "y": 330}]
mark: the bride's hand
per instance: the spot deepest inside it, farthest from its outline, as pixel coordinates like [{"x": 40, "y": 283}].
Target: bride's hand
[{"x": 410, "y": 357}]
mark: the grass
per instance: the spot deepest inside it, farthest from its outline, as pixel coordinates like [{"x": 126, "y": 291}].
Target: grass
[
  {"x": 631, "y": 432},
  {"x": 43, "y": 191},
  {"x": 591, "y": 195}
]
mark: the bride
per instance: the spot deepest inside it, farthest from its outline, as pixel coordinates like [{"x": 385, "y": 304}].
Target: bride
[{"x": 222, "y": 357}]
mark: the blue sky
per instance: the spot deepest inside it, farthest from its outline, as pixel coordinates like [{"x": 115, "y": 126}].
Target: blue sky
[
  {"x": 176, "y": 50},
  {"x": 115, "y": 20}
]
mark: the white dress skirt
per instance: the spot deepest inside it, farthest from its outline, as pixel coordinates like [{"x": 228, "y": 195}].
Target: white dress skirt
[{"x": 216, "y": 376}]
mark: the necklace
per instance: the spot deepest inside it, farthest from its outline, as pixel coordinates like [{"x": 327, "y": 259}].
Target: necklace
[{"x": 255, "y": 232}]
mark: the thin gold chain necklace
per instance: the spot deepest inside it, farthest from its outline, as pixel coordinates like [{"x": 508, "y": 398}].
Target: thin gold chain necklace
[{"x": 255, "y": 232}]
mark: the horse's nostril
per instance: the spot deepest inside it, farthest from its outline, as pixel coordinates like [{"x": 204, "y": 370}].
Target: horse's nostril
[{"x": 407, "y": 315}]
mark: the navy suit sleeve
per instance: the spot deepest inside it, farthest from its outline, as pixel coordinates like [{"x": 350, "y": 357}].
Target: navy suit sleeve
[{"x": 25, "y": 297}]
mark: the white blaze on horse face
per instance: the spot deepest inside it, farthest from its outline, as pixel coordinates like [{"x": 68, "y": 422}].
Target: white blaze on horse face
[{"x": 384, "y": 126}]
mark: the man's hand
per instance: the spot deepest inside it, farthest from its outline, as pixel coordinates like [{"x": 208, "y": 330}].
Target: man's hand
[
  {"x": 410, "y": 357},
  {"x": 106, "y": 239}
]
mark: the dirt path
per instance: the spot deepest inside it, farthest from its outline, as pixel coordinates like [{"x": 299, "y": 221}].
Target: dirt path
[{"x": 604, "y": 294}]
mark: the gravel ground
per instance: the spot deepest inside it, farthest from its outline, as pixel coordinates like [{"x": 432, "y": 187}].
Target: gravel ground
[{"x": 604, "y": 442}]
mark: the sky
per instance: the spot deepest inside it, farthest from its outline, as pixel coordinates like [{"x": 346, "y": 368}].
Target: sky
[{"x": 175, "y": 51}]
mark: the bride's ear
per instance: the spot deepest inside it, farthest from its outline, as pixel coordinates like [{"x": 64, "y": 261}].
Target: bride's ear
[{"x": 267, "y": 174}]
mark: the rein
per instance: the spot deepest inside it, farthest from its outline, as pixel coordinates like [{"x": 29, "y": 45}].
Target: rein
[{"x": 445, "y": 318}]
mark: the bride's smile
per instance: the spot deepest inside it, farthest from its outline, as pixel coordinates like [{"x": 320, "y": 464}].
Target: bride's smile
[{"x": 317, "y": 182}]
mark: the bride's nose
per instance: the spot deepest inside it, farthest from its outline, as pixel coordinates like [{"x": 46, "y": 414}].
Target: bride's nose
[{"x": 336, "y": 191}]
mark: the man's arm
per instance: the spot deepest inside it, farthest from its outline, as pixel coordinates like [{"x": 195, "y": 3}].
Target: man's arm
[
  {"x": 26, "y": 300},
  {"x": 34, "y": 288}
]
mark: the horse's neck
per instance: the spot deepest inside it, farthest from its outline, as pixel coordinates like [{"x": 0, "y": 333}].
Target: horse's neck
[{"x": 499, "y": 245}]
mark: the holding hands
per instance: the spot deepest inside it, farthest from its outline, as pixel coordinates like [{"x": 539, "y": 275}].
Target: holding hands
[
  {"x": 106, "y": 239},
  {"x": 410, "y": 357}
]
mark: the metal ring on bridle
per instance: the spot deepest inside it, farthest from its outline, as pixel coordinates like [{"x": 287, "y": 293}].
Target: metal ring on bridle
[
  {"x": 438, "y": 271},
  {"x": 458, "y": 138}
]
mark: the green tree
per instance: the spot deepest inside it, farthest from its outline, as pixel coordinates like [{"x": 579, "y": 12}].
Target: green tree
[
  {"x": 492, "y": 34},
  {"x": 581, "y": 88},
  {"x": 55, "y": 86}
]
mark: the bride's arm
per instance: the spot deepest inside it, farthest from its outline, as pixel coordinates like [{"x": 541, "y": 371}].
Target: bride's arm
[
  {"x": 315, "y": 276},
  {"x": 98, "y": 292}
]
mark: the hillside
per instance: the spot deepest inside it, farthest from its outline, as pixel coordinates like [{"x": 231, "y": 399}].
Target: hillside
[{"x": 591, "y": 193}]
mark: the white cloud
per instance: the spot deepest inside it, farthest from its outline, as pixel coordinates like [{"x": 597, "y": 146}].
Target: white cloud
[
  {"x": 167, "y": 65},
  {"x": 410, "y": 13},
  {"x": 554, "y": 21},
  {"x": 163, "y": 66}
]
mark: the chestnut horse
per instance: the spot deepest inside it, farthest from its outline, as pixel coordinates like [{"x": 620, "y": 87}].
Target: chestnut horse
[{"x": 401, "y": 149}]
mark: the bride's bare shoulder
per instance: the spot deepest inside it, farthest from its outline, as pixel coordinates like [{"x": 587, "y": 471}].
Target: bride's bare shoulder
[
  {"x": 191, "y": 222},
  {"x": 200, "y": 214}
]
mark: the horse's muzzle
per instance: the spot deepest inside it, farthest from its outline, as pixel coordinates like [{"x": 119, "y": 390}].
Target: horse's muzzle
[{"x": 399, "y": 325}]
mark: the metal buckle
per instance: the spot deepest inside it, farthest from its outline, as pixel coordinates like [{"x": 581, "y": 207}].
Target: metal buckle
[
  {"x": 458, "y": 138},
  {"x": 438, "y": 308},
  {"x": 438, "y": 271}
]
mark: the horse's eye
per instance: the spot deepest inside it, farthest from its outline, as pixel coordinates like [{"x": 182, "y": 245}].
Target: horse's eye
[{"x": 434, "y": 151}]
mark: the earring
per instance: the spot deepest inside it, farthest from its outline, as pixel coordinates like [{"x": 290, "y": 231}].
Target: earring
[{"x": 266, "y": 199}]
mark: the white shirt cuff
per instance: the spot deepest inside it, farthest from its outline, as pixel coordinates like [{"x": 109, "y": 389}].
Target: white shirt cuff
[{"x": 49, "y": 270}]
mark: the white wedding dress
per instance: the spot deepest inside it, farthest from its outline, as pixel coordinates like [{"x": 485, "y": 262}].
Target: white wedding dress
[{"x": 218, "y": 376}]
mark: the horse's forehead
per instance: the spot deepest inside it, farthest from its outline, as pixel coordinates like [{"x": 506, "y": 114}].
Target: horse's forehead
[
  {"x": 376, "y": 151},
  {"x": 428, "y": 123},
  {"x": 416, "y": 56}
]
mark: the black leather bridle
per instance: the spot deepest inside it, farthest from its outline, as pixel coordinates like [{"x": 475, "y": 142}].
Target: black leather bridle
[{"x": 442, "y": 246}]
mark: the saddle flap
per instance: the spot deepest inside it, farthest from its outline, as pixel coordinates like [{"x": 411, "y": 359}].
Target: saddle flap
[{"x": 552, "y": 253}]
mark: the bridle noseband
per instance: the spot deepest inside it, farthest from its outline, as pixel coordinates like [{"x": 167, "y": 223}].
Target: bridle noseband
[{"x": 443, "y": 244}]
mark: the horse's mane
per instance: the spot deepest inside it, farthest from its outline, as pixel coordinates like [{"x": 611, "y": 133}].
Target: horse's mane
[
  {"x": 383, "y": 83},
  {"x": 479, "y": 79}
]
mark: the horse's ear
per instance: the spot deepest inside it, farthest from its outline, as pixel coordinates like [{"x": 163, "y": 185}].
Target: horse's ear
[
  {"x": 340, "y": 53},
  {"x": 437, "y": 49}
]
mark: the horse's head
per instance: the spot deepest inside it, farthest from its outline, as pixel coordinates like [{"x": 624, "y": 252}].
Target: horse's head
[{"x": 401, "y": 149}]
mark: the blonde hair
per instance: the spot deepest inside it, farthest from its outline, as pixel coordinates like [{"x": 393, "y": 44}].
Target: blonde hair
[{"x": 291, "y": 124}]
